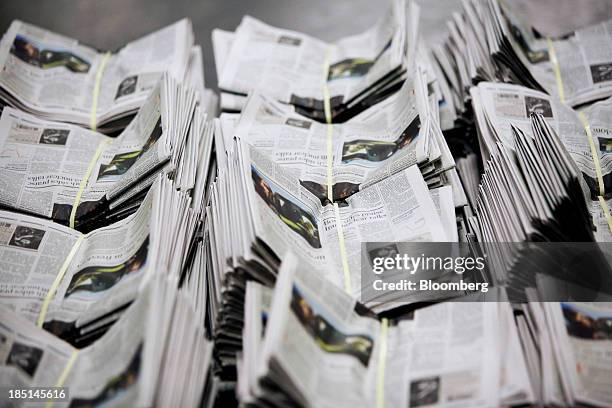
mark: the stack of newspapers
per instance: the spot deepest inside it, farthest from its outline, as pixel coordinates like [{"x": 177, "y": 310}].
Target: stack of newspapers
[
  {"x": 570, "y": 92},
  {"x": 99, "y": 290},
  {"x": 288, "y": 183},
  {"x": 156, "y": 252},
  {"x": 290, "y": 67}
]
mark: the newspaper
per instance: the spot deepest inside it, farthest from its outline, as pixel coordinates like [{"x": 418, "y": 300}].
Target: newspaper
[
  {"x": 389, "y": 137},
  {"x": 312, "y": 325},
  {"x": 580, "y": 334},
  {"x": 116, "y": 370},
  {"x": 54, "y": 77},
  {"x": 287, "y": 216},
  {"x": 108, "y": 372},
  {"x": 584, "y": 64},
  {"x": 500, "y": 106},
  {"x": 44, "y": 164},
  {"x": 103, "y": 269},
  {"x": 292, "y": 67}
]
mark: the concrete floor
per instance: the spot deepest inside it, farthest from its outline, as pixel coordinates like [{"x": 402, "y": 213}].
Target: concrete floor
[{"x": 108, "y": 24}]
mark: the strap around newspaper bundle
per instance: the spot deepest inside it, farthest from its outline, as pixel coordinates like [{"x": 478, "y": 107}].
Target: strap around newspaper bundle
[
  {"x": 555, "y": 63},
  {"x": 382, "y": 363},
  {"x": 594, "y": 155},
  {"x": 84, "y": 181},
  {"x": 330, "y": 184},
  {"x": 93, "y": 115},
  {"x": 587, "y": 129},
  {"x": 58, "y": 280},
  {"x": 65, "y": 372}
]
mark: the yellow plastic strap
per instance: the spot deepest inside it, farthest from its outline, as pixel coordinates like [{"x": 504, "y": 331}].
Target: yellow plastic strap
[
  {"x": 330, "y": 128},
  {"x": 77, "y": 198},
  {"x": 555, "y": 63},
  {"x": 587, "y": 130},
  {"x": 330, "y": 182},
  {"x": 382, "y": 361},
  {"x": 606, "y": 211},
  {"x": 93, "y": 116},
  {"x": 57, "y": 282},
  {"x": 64, "y": 375},
  {"x": 330, "y": 163},
  {"x": 343, "y": 257}
]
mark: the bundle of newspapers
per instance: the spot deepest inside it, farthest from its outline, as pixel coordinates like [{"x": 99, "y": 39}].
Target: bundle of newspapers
[
  {"x": 545, "y": 76},
  {"x": 392, "y": 179},
  {"x": 100, "y": 293},
  {"x": 123, "y": 325},
  {"x": 153, "y": 254},
  {"x": 85, "y": 179},
  {"x": 291, "y": 67},
  {"x": 488, "y": 42},
  {"x": 505, "y": 116},
  {"x": 57, "y": 78},
  {"x": 310, "y": 344}
]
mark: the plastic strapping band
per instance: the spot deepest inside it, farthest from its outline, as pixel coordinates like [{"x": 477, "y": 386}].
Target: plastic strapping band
[
  {"x": 598, "y": 172},
  {"x": 587, "y": 129},
  {"x": 606, "y": 211},
  {"x": 330, "y": 128},
  {"x": 65, "y": 372},
  {"x": 330, "y": 181},
  {"x": 57, "y": 282},
  {"x": 555, "y": 63},
  {"x": 93, "y": 115},
  {"x": 382, "y": 362},
  {"x": 83, "y": 184},
  {"x": 589, "y": 134}
]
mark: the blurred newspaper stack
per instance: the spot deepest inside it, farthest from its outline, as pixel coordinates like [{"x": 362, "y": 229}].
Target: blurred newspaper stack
[
  {"x": 291, "y": 67},
  {"x": 310, "y": 344}
]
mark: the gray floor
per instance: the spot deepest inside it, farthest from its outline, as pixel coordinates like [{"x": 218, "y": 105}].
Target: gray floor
[{"x": 108, "y": 24}]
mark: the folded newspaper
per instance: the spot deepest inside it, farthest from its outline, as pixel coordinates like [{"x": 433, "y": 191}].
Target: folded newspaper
[
  {"x": 352, "y": 73},
  {"x": 572, "y": 345},
  {"x": 119, "y": 369},
  {"x": 503, "y": 109},
  {"x": 77, "y": 285},
  {"x": 488, "y": 42},
  {"x": 310, "y": 344},
  {"x": 391, "y": 136},
  {"x": 48, "y": 168},
  {"x": 259, "y": 210},
  {"x": 58, "y": 78}
]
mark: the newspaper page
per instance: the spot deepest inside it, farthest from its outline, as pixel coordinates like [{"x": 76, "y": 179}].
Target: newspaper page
[
  {"x": 32, "y": 252},
  {"x": 445, "y": 355},
  {"x": 53, "y": 75},
  {"x": 292, "y": 67},
  {"x": 330, "y": 356},
  {"x": 397, "y": 209},
  {"x": 287, "y": 216},
  {"x": 582, "y": 338},
  {"x": 29, "y": 356},
  {"x": 137, "y": 68},
  {"x": 102, "y": 274},
  {"x": 43, "y": 163},
  {"x": 33, "y": 357},
  {"x": 362, "y": 153},
  {"x": 506, "y": 105},
  {"x": 585, "y": 64}
]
